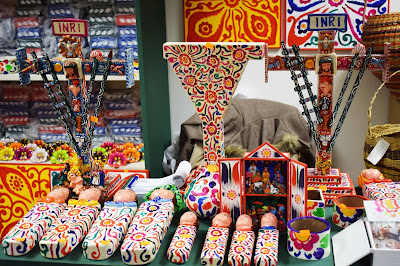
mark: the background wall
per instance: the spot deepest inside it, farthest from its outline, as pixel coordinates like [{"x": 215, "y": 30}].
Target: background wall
[{"x": 348, "y": 150}]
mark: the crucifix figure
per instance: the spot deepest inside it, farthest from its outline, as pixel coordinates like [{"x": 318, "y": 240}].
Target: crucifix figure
[{"x": 326, "y": 64}]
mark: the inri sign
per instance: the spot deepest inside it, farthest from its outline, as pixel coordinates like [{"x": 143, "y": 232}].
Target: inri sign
[{"x": 74, "y": 27}]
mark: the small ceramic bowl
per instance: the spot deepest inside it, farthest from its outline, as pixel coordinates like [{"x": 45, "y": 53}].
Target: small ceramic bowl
[
  {"x": 347, "y": 209},
  {"x": 309, "y": 238}
]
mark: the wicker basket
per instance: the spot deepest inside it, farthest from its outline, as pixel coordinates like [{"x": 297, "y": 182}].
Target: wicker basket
[
  {"x": 389, "y": 165},
  {"x": 378, "y": 30}
]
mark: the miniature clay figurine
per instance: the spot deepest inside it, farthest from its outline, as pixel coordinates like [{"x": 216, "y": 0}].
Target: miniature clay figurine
[
  {"x": 182, "y": 241},
  {"x": 110, "y": 226},
  {"x": 216, "y": 240},
  {"x": 150, "y": 225},
  {"x": 32, "y": 227},
  {"x": 266, "y": 252},
  {"x": 242, "y": 244},
  {"x": 62, "y": 179},
  {"x": 98, "y": 176}
]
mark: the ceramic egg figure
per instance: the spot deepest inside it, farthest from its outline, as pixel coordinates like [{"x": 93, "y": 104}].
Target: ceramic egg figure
[{"x": 203, "y": 194}]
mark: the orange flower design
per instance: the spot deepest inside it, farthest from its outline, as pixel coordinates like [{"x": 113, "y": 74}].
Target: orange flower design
[
  {"x": 265, "y": 251},
  {"x": 147, "y": 220},
  {"x": 25, "y": 226},
  {"x": 211, "y": 96},
  {"x": 179, "y": 244},
  {"x": 228, "y": 83},
  {"x": 184, "y": 60},
  {"x": 107, "y": 223},
  {"x": 61, "y": 228},
  {"x": 74, "y": 212},
  {"x": 190, "y": 80}
]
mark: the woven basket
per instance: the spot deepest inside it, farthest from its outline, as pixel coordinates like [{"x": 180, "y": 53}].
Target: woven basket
[
  {"x": 389, "y": 165},
  {"x": 378, "y": 30}
]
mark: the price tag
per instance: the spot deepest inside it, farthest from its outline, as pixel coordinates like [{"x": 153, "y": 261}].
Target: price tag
[{"x": 378, "y": 152}]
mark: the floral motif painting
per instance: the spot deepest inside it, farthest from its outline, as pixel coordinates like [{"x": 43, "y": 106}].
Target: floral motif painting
[
  {"x": 233, "y": 21},
  {"x": 297, "y": 12},
  {"x": 20, "y": 186}
]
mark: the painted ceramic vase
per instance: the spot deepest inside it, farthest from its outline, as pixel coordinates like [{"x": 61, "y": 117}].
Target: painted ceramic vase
[
  {"x": 348, "y": 209},
  {"x": 309, "y": 238},
  {"x": 147, "y": 231},
  {"x": 31, "y": 228},
  {"x": 108, "y": 230},
  {"x": 69, "y": 229},
  {"x": 241, "y": 250},
  {"x": 266, "y": 253},
  {"x": 315, "y": 203},
  {"x": 203, "y": 194}
]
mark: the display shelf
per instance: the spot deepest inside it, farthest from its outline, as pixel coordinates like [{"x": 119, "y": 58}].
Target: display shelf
[
  {"x": 15, "y": 77},
  {"x": 76, "y": 257}
]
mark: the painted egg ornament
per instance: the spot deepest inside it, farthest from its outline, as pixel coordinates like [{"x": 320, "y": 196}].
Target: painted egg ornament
[{"x": 203, "y": 195}]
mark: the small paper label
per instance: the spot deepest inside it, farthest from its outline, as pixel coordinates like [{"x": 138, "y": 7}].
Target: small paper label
[{"x": 378, "y": 152}]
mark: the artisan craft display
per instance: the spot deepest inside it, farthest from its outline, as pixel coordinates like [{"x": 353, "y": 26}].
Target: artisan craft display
[
  {"x": 183, "y": 239},
  {"x": 214, "y": 247}
]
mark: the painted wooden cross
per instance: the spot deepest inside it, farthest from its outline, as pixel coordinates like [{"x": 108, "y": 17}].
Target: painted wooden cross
[
  {"x": 326, "y": 64},
  {"x": 210, "y": 73}
]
